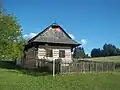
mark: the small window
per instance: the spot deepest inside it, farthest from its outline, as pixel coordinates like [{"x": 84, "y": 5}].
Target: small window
[
  {"x": 49, "y": 53},
  {"x": 62, "y": 53}
]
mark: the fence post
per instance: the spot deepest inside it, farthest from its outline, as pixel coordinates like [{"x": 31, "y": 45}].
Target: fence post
[
  {"x": 69, "y": 67},
  {"x": 96, "y": 66},
  {"x": 93, "y": 67},
  {"x": 84, "y": 67},
  {"x": 107, "y": 67},
  {"x": 89, "y": 66},
  {"x": 81, "y": 66},
  {"x": 65, "y": 67},
  {"x": 114, "y": 66},
  {"x": 103, "y": 66},
  {"x": 53, "y": 67},
  {"x": 76, "y": 68},
  {"x": 60, "y": 68}
]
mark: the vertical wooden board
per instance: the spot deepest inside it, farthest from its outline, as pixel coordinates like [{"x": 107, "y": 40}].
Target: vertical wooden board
[
  {"x": 96, "y": 66},
  {"x": 81, "y": 66}
]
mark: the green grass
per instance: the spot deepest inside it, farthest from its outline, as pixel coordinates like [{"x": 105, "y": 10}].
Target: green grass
[
  {"x": 23, "y": 80},
  {"x": 106, "y": 59}
]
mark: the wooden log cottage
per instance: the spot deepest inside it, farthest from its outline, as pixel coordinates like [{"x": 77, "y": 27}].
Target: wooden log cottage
[{"x": 50, "y": 44}]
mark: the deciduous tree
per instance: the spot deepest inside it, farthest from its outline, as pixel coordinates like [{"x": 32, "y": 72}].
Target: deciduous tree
[{"x": 11, "y": 40}]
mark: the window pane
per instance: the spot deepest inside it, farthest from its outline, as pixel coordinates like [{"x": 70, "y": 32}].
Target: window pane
[
  {"x": 49, "y": 53},
  {"x": 62, "y": 53}
]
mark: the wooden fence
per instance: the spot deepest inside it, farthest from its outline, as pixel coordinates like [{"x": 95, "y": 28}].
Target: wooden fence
[
  {"x": 75, "y": 67},
  {"x": 84, "y": 66}
]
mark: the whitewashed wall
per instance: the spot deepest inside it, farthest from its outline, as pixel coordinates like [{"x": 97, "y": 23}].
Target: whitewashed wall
[
  {"x": 67, "y": 59},
  {"x": 41, "y": 53}
]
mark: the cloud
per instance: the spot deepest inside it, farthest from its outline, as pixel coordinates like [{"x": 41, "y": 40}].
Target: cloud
[
  {"x": 71, "y": 35},
  {"x": 83, "y": 41},
  {"x": 29, "y": 36}
]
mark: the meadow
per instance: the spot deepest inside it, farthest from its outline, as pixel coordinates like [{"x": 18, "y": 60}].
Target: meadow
[
  {"x": 15, "y": 78},
  {"x": 11, "y": 79},
  {"x": 115, "y": 59}
]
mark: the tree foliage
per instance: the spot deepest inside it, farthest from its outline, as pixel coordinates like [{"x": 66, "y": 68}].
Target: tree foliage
[
  {"x": 96, "y": 52},
  {"x": 108, "y": 50},
  {"x": 79, "y": 53},
  {"x": 11, "y": 40}
]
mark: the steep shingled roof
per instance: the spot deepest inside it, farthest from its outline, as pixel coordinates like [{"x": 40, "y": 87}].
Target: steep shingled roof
[{"x": 54, "y": 34}]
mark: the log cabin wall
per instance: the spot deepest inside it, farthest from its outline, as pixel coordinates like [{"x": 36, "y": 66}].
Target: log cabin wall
[
  {"x": 30, "y": 58},
  {"x": 55, "y": 51}
]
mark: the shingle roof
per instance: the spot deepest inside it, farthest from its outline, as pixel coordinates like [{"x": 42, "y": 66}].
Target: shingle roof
[{"x": 54, "y": 34}]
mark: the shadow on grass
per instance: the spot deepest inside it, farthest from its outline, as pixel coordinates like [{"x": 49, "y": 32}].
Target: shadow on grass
[{"x": 33, "y": 72}]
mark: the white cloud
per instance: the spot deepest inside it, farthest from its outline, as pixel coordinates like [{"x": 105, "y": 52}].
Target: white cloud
[
  {"x": 71, "y": 35},
  {"x": 30, "y": 35},
  {"x": 83, "y": 41}
]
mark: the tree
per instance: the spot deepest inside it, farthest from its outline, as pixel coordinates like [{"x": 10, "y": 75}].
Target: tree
[
  {"x": 106, "y": 50},
  {"x": 102, "y": 53},
  {"x": 87, "y": 56},
  {"x": 76, "y": 53},
  {"x": 79, "y": 52},
  {"x": 118, "y": 51},
  {"x": 110, "y": 50},
  {"x": 11, "y": 40},
  {"x": 113, "y": 50},
  {"x": 82, "y": 55},
  {"x": 96, "y": 52}
]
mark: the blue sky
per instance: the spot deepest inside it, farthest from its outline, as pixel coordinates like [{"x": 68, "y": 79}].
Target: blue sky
[{"x": 91, "y": 22}]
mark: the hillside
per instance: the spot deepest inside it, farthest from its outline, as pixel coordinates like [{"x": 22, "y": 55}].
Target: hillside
[{"x": 115, "y": 59}]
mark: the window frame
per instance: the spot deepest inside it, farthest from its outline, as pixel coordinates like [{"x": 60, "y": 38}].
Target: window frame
[{"x": 61, "y": 53}]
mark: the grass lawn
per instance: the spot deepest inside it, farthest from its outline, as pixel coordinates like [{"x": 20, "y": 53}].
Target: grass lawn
[
  {"x": 22, "y": 80},
  {"x": 106, "y": 59}
]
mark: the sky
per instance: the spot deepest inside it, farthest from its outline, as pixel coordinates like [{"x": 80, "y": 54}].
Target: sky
[{"x": 90, "y": 22}]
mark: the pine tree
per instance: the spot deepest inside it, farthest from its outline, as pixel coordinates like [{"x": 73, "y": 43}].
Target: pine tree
[{"x": 79, "y": 52}]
